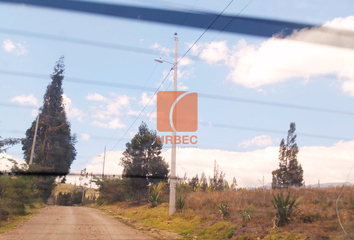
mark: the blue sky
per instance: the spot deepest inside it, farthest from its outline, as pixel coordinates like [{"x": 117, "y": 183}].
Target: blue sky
[{"x": 260, "y": 69}]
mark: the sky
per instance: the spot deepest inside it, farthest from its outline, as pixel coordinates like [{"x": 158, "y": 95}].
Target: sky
[{"x": 271, "y": 76}]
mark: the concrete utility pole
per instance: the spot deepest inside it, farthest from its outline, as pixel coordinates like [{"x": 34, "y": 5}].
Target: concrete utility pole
[
  {"x": 34, "y": 140},
  {"x": 172, "y": 206},
  {"x": 104, "y": 160}
]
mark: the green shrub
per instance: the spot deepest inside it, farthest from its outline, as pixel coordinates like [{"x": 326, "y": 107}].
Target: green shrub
[
  {"x": 224, "y": 210},
  {"x": 15, "y": 194},
  {"x": 154, "y": 199},
  {"x": 129, "y": 198},
  {"x": 246, "y": 213},
  {"x": 64, "y": 199},
  {"x": 180, "y": 203},
  {"x": 285, "y": 208},
  {"x": 100, "y": 201},
  {"x": 113, "y": 189}
]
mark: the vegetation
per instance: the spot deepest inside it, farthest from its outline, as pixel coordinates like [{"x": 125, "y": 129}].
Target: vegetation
[
  {"x": 154, "y": 199},
  {"x": 246, "y": 213},
  {"x": 16, "y": 195},
  {"x": 290, "y": 172},
  {"x": 224, "y": 210},
  {"x": 69, "y": 198},
  {"x": 113, "y": 189},
  {"x": 180, "y": 203},
  {"x": 142, "y": 162},
  {"x": 286, "y": 208},
  {"x": 201, "y": 215},
  {"x": 54, "y": 146},
  {"x": 29, "y": 185}
]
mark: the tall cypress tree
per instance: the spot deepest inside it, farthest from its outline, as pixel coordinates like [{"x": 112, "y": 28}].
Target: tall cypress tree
[
  {"x": 290, "y": 172},
  {"x": 55, "y": 146}
]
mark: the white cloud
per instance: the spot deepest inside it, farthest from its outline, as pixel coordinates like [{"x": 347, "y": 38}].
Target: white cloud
[
  {"x": 161, "y": 50},
  {"x": 8, "y": 45},
  {"x": 111, "y": 166},
  {"x": 110, "y": 109},
  {"x": 70, "y": 110},
  {"x": 145, "y": 99},
  {"x": 11, "y": 47},
  {"x": 95, "y": 97},
  {"x": 215, "y": 52},
  {"x": 99, "y": 124},
  {"x": 114, "y": 124},
  {"x": 184, "y": 62},
  {"x": 117, "y": 103},
  {"x": 260, "y": 141},
  {"x": 21, "y": 50},
  {"x": 278, "y": 60},
  {"x": 5, "y": 164},
  {"x": 181, "y": 76},
  {"x": 26, "y": 100},
  {"x": 329, "y": 164},
  {"x": 85, "y": 136}
]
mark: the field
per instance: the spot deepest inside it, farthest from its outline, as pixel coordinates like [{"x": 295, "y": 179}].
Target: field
[{"x": 200, "y": 218}]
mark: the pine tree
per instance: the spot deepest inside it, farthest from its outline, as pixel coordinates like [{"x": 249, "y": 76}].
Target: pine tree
[
  {"x": 194, "y": 182},
  {"x": 290, "y": 172},
  {"x": 218, "y": 181},
  {"x": 142, "y": 162},
  {"x": 55, "y": 146},
  {"x": 203, "y": 182},
  {"x": 234, "y": 184}
]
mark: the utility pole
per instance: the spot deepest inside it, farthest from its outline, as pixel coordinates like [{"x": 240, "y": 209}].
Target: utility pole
[
  {"x": 172, "y": 206},
  {"x": 91, "y": 180},
  {"x": 83, "y": 194},
  {"x": 104, "y": 160},
  {"x": 34, "y": 140}
]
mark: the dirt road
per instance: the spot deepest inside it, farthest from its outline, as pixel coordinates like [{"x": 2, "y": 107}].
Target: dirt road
[{"x": 70, "y": 223}]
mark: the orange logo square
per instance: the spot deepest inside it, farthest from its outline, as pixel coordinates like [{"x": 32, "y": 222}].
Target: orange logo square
[{"x": 177, "y": 110}]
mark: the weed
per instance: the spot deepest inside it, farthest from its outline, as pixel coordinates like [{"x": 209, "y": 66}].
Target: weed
[
  {"x": 246, "y": 213},
  {"x": 154, "y": 199},
  {"x": 224, "y": 210},
  {"x": 129, "y": 198},
  {"x": 286, "y": 208},
  {"x": 180, "y": 203}
]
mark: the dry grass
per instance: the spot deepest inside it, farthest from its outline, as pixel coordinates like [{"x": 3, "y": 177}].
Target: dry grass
[{"x": 201, "y": 217}]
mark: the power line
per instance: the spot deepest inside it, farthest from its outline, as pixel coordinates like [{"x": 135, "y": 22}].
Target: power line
[
  {"x": 195, "y": 42},
  {"x": 219, "y": 32},
  {"x": 78, "y": 41},
  {"x": 245, "y": 128},
  {"x": 142, "y": 110},
  {"x": 160, "y": 57},
  {"x": 241, "y": 25},
  {"x": 201, "y": 95}
]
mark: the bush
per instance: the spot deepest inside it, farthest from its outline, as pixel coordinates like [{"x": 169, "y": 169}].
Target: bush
[
  {"x": 286, "y": 208},
  {"x": 15, "y": 194},
  {"x": 100, "y": 201},
  {"x": 224, "y": 210},
  {"x": 246, "y": 213},
  {"x": 154, "y": 199},
  {"x": 113, "y": 190},
  {"x": 180, "y": 203},
  {"x": 64, "y": 199}
]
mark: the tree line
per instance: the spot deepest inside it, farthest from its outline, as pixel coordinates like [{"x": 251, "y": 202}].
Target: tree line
[{"x": 143, "y": 165}]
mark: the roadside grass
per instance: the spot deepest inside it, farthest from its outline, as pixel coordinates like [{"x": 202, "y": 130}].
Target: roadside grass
[
  {"x": 201, "y": 217},
  {"x": 16, "y": 220}
]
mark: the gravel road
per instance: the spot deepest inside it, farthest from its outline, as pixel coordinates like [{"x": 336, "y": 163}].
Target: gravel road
[{"x": 70, "y": 223}]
